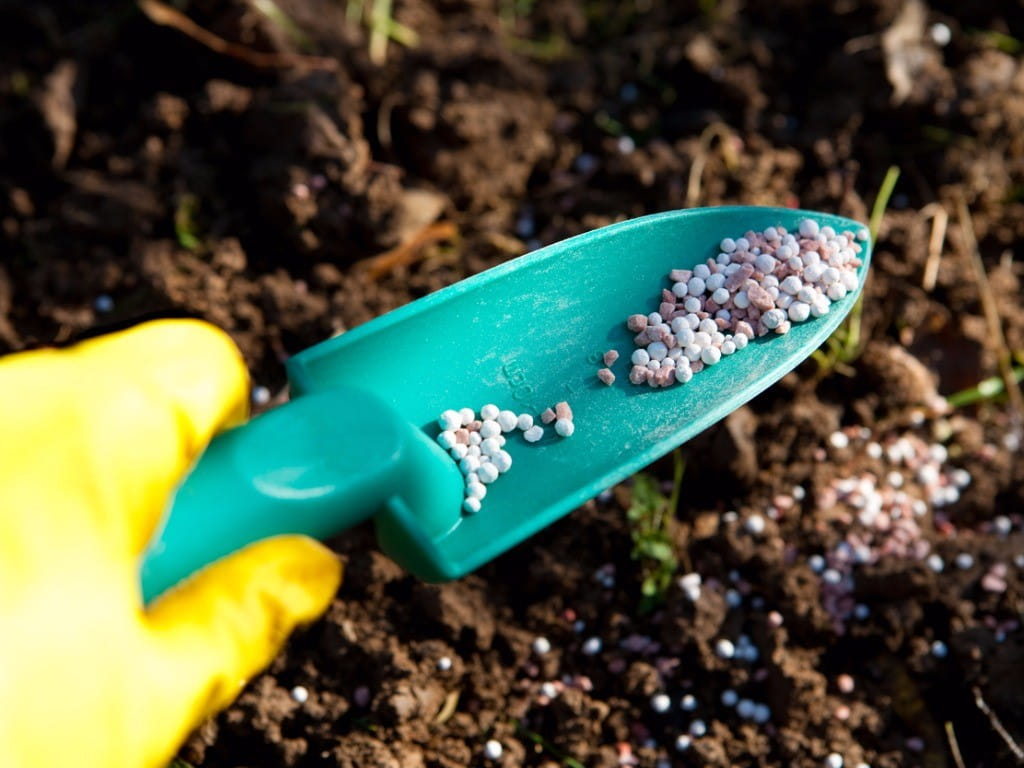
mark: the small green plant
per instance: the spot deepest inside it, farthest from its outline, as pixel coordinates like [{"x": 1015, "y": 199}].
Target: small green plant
[
  {"x": 609, "y": 124},
  {"x": 543, "y": 745},
  {"x": 998, "y": 40},
  {"x": 548, "y": 48},
  {"x": 272, "y": 11},
  {"x": 511, "y": 11},
  {"x": 844, "y": 346},
  {"x": 185, "y": 229},
  {"x": 986, "y": 389},
  {"x": 708, "y": 8},
  {"x": 943, "y": 137},
  {"x": 383, "y": 27},
  {"x": 651, "y": 516}
]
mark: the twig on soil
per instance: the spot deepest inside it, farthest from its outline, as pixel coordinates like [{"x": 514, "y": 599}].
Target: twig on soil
[
  {"x": 410, "y": 251},
  {"x": 451, "y": 703},
  {"x": 720, "y": 130},
  {"x": 992, "y": 319},
  {"x": 954, "y": 746},
  {"x": 997, "y": 725},
  {"x": 940, "y": 220},
  {"x": 387, "y": 105},
  {"x": 507, "y": 244},
  {"x": 165, "y": 16},
  {"x": 863, "y": 43}
]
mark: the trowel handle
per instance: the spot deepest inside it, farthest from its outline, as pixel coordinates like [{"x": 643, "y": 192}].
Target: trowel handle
[{"x": 317, "y": 465}]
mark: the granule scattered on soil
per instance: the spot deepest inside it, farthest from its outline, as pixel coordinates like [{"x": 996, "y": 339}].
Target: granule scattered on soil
[{"x": 893, "y": 509}]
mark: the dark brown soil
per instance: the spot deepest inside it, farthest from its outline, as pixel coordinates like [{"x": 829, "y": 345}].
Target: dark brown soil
[{"x": 143, "y": 174}]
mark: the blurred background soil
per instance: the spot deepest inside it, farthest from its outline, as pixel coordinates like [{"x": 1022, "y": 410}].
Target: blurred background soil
[{"x": 288, "y": 169}]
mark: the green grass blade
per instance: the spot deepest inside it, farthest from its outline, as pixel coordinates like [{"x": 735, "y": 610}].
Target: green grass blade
[
  {"x": 844, "y": 346},
  {"x": 987, "y": 389},
  {"x": 273, "y": 12},
  {"x": 882, "y": 201}
]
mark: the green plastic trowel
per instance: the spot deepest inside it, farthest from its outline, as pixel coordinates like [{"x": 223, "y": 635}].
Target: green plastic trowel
[{"x": 357, "y": 440}]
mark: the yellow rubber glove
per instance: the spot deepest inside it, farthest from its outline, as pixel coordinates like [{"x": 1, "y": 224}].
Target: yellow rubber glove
[{"x": 94, "y": 440}]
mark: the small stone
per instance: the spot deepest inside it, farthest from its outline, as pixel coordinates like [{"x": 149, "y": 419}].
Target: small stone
[
  {"x": 592, "y": 646},
  {"x": 834, "y": 760},
  {"x": 698, "y": 728},
  {"x": 688, "y": 703},
  {"x": 939, "y": 649},
  {"x": 300, "y": 694},
  {"x": 683, "y": 742},
  {"x": 444, "y": 663},
  {"x": 541, "y": 646}
]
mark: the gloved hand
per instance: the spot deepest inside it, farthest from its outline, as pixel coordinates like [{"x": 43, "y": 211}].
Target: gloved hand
[{"x": 94, "y": 440}]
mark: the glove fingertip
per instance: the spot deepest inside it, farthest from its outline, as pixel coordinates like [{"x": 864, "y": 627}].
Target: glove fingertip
[
  {"x": 195, "y": 366},
  {"x": 227, "y": 622},
  {"x": 303, "y": 580}
]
